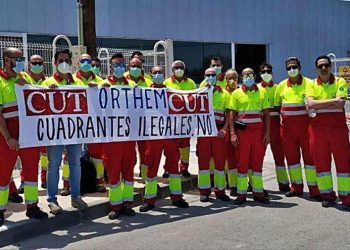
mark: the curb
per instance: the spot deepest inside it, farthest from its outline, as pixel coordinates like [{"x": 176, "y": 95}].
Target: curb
[{"x": 11, "y": 234}]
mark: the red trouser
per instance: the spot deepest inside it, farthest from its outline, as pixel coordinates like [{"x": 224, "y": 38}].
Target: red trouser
[
  {"x": 276, "y": 145},
  {"x": 141, "y": 146},
  {"x": 211, "y": 147},
  {"x": 184, "y": 143},
  {"x": 251, "y": 151},
  {"x": 295, "y": 136},
  {"x": 119, "y": 159},
  {"x": 29, "y": 158},
  {"x": 329, "y": 135},
  {"x": 153, "y": 155},
  {"x": 95, "y": 150}
]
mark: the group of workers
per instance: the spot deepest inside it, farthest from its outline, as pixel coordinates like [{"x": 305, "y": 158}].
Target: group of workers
[{"x": 298, "y": 115}]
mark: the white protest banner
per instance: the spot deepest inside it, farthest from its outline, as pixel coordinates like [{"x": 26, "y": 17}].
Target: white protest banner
[{"x": 76, "y": 114}]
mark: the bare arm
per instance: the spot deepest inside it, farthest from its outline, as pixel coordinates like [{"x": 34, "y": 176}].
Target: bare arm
[
  {"x": 335, "y": 103},
  {"x": 233, "y": 136}
]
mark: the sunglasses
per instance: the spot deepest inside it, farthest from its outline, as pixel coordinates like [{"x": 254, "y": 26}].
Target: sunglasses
[
  {"x": 324, "y": 65},
  {"x": 157, "y": 72},
  {"x": 120, "y": 65},
  {"x": 215, "y": 65},
  {"x": 85, "y": 60},
  {"x": 292, "y": 67},
  {"x": 247, "y": 75},
  {"x": 37, "y": 63},
  {"x": 211, "y": 75},
  {"x": 18, "y": 59},
  {"x": 179, "y": 67},
  {"x": 265, "y": 71}
]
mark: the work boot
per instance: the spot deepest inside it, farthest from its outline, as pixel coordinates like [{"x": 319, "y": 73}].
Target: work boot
[
  {"x": 165, "y": 174},
  {"x": 55, "y": 209},
  {"x": 15, "y": 198},
  {"x": 223, "y": 197},
  {"x": 204, "y": 198},
  {"x": 316, "y": 197},
  {"x": 263, "y": 200},
  {"x": 284, "y": 188},
  {"x": 20, "y": 190},
  {"x": 2, "y": 218},
  {"x": 181, "y": 203},
  {"x": 145, "y": 207},
  {"x": 185, "y": 173},
  {"x": 43, "y": 185},
  {"x": 65, "y": 191},
  {"x": 78, "y": 203},
  {"x": 113, "y": 215},
  {"x": 328, "y": 203},
  {"x": 266, "y": 193},
  {"x": 233, "y": 191},
  {"x": 240, "y": 200},
  {"x": 128, "y": 211},
  {"x": 293, "y": 194},
  {"x": 346, "y": 207},
  {"x": 43, "y": 179},
  {"x": 100, "y": 188},
  {"x": 36, "y": 213}
]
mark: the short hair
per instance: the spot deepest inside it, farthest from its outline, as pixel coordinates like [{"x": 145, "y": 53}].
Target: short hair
[
  {"x": 96, "y": 59},
  {"x": 323, "y": 57},
  {"x": 178, "y": 61},
  {"x": 116, "y": 55},
  {"x": 214, "y": 58},
  {"x": 293, "y": 58},
  {"x": 63, "y": 51},
  {"x": 265, "y": 65},
  {"x": 136, "y": 53}
]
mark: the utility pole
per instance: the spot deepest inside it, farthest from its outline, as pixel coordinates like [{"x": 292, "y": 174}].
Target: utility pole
[{"x": 86, "y": 25}]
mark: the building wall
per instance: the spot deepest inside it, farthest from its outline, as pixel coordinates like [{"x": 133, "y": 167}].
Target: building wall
[{"x": 304, "y": 28}]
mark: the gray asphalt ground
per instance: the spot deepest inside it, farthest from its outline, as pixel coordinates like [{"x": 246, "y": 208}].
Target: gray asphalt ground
[{"x": 285, "y": 223}]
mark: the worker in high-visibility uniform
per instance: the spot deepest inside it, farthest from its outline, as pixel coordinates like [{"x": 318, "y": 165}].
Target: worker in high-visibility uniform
[
  {"x": 215, "y": 62},
  {"x": 250, "y": 105},
  {"x": 140, "y": 56},
  {"x": 214, "y": 147},
  {"x": 136, "y": 76},
  {"x": 9, "y": 147},
  {"x": 329, "y": 133},
  {"x": 231, "y": 77},
  {"x": 96, "y": 66},
  {"x": 275, "y": 123},
  {"x": 63, "y": 62},
  {"x": 289, "y": 98},
  {"x": 119, "y": 158},
  {"x": 83, "y": 77},
  {"x": 154, "y": 150},
  {"x": 180, "y": 81}
]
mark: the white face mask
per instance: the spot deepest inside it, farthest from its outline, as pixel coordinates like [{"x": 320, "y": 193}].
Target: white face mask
[
  {"x": 293, "y": 72},
  {"x": 266, "y": 77},
  {"x": 179, "y": 72},
  {"x": 63, "y": 68}
]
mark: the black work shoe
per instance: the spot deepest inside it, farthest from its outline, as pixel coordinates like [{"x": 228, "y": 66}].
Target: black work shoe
[
  {"x": 293, "y": 194},
  {"x": 145, "y": 207},
  {"x": 181, "y": 203},
  {"x": 43, "y": 185},
  {"x": 65, "y": 192},
  {"x": 346, "y": 207},
  {"x": 113, "y": 215},
  {"x": 233, "y": 191},
  {"x": 185, "y": 173},
  {"x": 20, "y": 190},
  {"x": 128, "y": 211},
  {"x": 15, "y": 198},
  {"x": 328, "y": 203},
  {"x": 204, "y": 198},
  {"x": 100, "y": 188},
  {"x": 165, "y": 174},
  {"x": 240, "y": 200},
  {"x": 2, "y": 218},
  {"x": 36, "y": 213},
  {"x": 266, "y": 193},
  {"x": 223, "y": 197},
  {"x": 284, "y": 189},
  {"x": 263, "y": 200}
]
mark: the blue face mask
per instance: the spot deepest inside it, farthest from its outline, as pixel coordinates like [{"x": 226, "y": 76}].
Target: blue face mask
[
  {"x": 211, "y": 80},
  {"x": 19, "y": 67},
  {"x": 135, "y": 71},
  {"x": 85, "y": 66},
  {"x": 118, "y": 72},
  {"x": 158, "y": 78},
  {"x": 217, "y": 70},
  {"x": 96, "y": 70},
  {"x": 36, "y": 69},
  {"x": 248, "y": 81}
]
